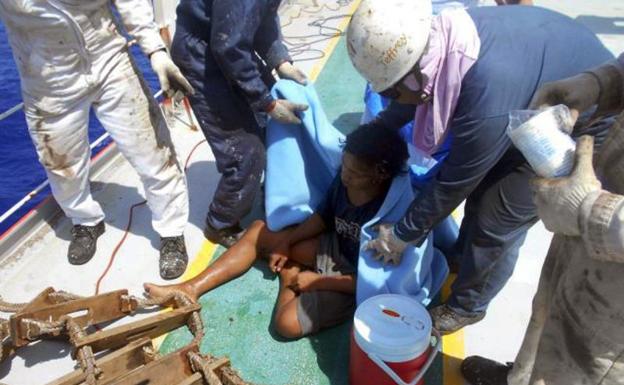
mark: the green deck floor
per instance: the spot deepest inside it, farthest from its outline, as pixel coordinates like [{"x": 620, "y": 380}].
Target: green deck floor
[{"x": 237, "y": 316}]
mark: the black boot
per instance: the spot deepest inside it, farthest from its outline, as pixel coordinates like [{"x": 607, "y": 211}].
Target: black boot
[
  {"x": 447, "y": 320},
  {"x": 83, "y": 244},
  {"x": 482, "y": 371},
  {"x": 173, "y": 257},
  {"x": 226, "y": 237}
]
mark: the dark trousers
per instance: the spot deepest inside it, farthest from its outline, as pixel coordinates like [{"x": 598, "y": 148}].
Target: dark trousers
[
  {"x": 241, "y": 158},
  {"x": 497, "y": 215},
  {"x": 233, "y": 131}
]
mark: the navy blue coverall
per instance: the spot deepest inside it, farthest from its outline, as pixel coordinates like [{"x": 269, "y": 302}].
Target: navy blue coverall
[
  {"x": 227, "y": 49},
  {"x": 521, "y": 48}
]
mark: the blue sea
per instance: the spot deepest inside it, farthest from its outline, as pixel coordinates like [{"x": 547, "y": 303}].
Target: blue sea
[{"x": 20, "y": 171}]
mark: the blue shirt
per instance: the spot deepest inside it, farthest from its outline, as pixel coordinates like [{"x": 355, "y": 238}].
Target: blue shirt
[{"x": 345, "y": 219}]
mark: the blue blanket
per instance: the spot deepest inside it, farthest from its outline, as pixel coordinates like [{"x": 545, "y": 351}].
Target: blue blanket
[{"x": 302, "y": 161}]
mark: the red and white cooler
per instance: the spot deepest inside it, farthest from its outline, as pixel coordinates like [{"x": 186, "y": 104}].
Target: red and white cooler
[{"x": 391, "y": 342}]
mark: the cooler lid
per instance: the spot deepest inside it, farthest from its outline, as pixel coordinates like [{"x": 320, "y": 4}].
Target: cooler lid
[{"x": 395, "y": 327}]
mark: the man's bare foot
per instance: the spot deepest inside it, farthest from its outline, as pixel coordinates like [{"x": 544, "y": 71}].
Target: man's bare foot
[{"x": 158, "y": 291}]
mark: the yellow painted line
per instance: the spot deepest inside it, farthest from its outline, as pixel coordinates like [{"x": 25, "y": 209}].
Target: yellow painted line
[
  {"x": 452, "y": 347},
  {"x": 331, "y": 45},
  {"x": 200, "y": 262}
]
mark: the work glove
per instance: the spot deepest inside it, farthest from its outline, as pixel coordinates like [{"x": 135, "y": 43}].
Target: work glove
[
  {"x": 286, "y": 112},
  {"x": 172, "y": 82},
  {"x": 387, "y": 246},
  {"x": 288, "y": 71},
  {"x": 610, "y": 159},
  {"x": 559, "y": 200},
  {"x": 579, "y": 93}
]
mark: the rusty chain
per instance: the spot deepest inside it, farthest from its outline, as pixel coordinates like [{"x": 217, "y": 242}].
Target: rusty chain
[
  {"x": 4, "y": 329},
  {"x": 85, "y": 355},
  {"x": 37, "y": 328},
  {"x": 7, "y": 307},
  {"x": 63, "y": 296},
  {"x": 208, "y": 365},
  {"x": 150, "y": 353},
  {"x": 200, "y": 364},
  {"x": 179, "y": 299}
]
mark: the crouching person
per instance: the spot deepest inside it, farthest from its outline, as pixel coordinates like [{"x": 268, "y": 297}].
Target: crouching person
[{"x": 317, "y": 259}]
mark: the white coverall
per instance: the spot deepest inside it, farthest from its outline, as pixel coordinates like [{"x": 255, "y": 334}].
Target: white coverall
[
  {"x": 71, "y": 57},
  {"x": 576, "y": 332}
]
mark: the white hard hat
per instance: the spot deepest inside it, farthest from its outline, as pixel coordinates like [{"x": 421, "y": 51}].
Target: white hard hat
[{"x": 386, "y": 38}]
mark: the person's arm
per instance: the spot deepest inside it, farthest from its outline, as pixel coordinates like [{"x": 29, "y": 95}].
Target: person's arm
[
  {"x": 321, "y": 220},
  {"x": 235, "y": 23},
  {"x": 395, "y": 116},
  {"x": 309, "y": 228},
  {"x": 311, "y": 281},
  {"x": 610, "y": 79},
  {"x": 272, "y": 50},
  {"x": 137, "y": 17},
  {"x": 602, "y": 226},
  {"x": 269, "y": 44},
  {"x": 476, "y": 147},
  {"x": 577, "y": 205},
  {"x": 602, "y": 86},
  {"x": 234, "y": 26},
  {"x": 138, "y": 20}
]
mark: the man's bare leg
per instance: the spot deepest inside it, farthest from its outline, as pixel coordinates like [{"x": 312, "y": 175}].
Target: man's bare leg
[
  {"x": 286, "y": 321},
  {"x": 235, "y": 261}
]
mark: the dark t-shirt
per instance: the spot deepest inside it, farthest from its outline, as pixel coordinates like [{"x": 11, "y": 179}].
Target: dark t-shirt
[{"x": 345, "y": 219}]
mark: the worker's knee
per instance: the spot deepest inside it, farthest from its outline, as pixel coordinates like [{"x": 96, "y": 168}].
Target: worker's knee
[{"x": 287, "y": 323}]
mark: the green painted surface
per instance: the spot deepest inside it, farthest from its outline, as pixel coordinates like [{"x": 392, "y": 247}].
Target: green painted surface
[
  {"x": 237, "y": 316},
  {"x": 237, "y": 320},
  {"x": 341, "y": 90}
]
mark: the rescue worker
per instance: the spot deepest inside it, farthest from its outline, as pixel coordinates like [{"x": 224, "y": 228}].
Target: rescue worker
[
  {"x": 459, "y": 74},
  {"x": 227, "y": 50},
  {"x": 575, "y": 332},
  {"x": 72, "y": 57}
]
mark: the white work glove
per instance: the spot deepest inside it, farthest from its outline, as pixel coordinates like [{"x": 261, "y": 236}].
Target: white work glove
[
  {"x": 559, "y": 200},
  {"x": 172, "y": 82},
  {"x": 286, "y": 112},
  {"x": 288, "y": 71},
  {"x": 387, "y": 245}
]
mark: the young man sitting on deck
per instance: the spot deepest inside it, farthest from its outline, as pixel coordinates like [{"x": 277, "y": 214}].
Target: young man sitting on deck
[{"x": 317, "y": 259}]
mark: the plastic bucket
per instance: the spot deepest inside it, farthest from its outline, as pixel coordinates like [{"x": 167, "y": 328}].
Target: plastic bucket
[{"x": 391, "y": 342}]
